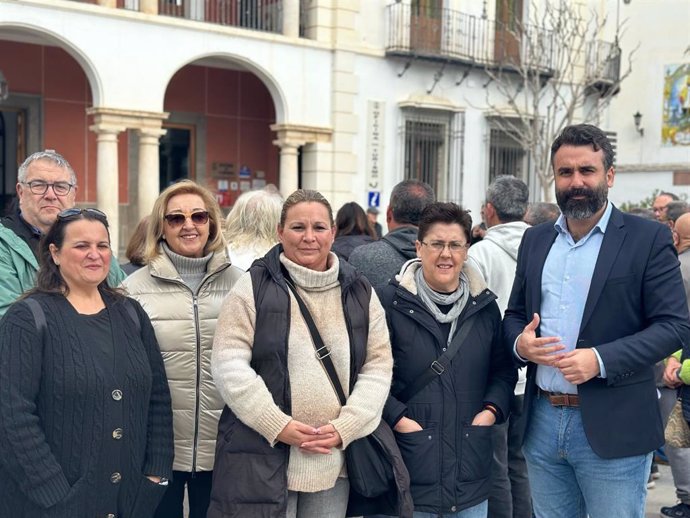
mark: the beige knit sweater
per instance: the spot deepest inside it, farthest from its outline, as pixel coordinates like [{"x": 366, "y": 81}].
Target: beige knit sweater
[{"x": 313, "y": 400}]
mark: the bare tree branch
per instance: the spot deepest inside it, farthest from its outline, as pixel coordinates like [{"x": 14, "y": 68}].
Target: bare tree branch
[{"x": 564, "y": 74}]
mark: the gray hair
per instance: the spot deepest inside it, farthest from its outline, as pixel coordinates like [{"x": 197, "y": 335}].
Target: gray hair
[
  {"x": 541, "y": 212},
  {"x": 675, "y": 209},
  {"x": 253, "y": 220},
  {"x": 51, "y": 156},
  {"x": 408, "y": 199},
  {"x": 509, "y": 196}
]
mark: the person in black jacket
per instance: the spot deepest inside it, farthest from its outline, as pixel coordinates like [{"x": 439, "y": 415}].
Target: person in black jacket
[
  {"x": 352, "y": 229},
  {"x": 436, "y": 305},
  {"x": 85, "y": 416}
]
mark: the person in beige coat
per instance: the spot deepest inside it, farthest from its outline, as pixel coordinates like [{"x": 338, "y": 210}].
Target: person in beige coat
[{"x": 187, "y": 277}]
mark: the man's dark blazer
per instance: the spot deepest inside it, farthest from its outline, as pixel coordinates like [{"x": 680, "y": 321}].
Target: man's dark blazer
[{"x": 635, "y": 314}]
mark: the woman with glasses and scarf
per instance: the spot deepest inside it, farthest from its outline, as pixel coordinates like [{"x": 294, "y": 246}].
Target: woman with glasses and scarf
[
  {"x": 181, "y": 288},
  {"x": 452, "y": 378},
  {"x": 85, "y": 416}
]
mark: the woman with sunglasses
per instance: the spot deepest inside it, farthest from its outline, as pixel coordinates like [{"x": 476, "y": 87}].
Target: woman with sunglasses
[
  {"x": 452, "y": 379},
  {"x": 85, "y": 416},
  {"x": 186, "y": 278}
]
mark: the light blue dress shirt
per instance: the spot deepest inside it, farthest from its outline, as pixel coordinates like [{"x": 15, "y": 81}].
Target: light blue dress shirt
[{"x": 565, "y": 283}]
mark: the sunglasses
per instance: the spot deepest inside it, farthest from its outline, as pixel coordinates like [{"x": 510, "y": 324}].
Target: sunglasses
[
  {"x": 177, "y": 219},
  {"x": 73, "y": 212}
]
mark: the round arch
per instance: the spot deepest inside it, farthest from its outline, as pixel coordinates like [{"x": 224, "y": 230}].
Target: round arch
[
  {"x": 33, "y": 34},
  {"x": 277, "y": 94}
]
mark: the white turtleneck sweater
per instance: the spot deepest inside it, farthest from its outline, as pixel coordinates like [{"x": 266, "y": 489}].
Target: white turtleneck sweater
[{"x": 314, "y": 401}]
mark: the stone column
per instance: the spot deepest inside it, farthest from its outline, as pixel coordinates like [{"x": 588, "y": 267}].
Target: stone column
[
  {"x": 289, "y": 174},
  {"x": 148, "y": 6},
  {"x": 290, "y": 137},
  {"x": 291, "y": 18},
  {"x": 107, "y": 184},
  {"x": 148, "y": 184}
]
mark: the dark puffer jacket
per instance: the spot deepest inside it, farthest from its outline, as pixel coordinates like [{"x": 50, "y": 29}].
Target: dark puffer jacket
[
  {"x": 250, "y": 475},
  {"x": 449, "y": 460}
]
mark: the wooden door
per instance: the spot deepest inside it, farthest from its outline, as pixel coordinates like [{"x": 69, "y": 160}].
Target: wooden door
[
  {"x": 425, "y": 26},
  {"x": 509, "y": 14}
]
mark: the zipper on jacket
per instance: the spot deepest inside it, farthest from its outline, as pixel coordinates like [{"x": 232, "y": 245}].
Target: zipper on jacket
[
  {"x": 197, "y": 403},
  {"x": 197, "y": 390}
]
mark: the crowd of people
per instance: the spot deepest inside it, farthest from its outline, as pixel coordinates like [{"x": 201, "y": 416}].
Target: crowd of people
[{"x": 520, "y": 368}]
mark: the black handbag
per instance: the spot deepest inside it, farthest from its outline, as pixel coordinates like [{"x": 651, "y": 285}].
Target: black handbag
[{"x": 369, "y": 470}]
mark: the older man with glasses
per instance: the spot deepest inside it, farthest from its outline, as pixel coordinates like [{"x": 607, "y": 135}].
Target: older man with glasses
[
  {"x": 660, "y": 205},
  {"x": 46, "y": 185}
]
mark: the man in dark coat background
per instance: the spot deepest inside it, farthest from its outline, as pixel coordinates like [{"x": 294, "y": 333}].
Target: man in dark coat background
[{"x": 598, "y": 299}]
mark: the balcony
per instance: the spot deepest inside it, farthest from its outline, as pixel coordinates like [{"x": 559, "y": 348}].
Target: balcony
[
  {"x": 603, "y": 67},
  {"x": 258, "y": 15},
  {"x": 453, "y": 36}
]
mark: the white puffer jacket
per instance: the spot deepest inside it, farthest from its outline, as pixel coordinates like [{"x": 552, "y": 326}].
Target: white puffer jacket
[{"x": 185, "y": 324}]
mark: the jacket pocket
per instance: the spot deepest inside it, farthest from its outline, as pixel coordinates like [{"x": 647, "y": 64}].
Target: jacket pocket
[
  {"x": 420, "y": 451},
  {"x": 148, "y": 497},
  {"x": 247, "y": 469},
  {"x": 477, "y": 452}
]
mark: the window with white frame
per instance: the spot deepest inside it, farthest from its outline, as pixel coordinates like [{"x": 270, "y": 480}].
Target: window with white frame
[
  {"x": 506, "y": 155},
  {"x": 431, "y": 143}
]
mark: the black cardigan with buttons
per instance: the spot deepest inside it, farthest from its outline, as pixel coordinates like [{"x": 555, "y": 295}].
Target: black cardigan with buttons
[{"x": 77, "y": 437}]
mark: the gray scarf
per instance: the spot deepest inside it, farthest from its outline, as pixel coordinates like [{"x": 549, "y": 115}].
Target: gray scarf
[{"x": 432, "y": 298}]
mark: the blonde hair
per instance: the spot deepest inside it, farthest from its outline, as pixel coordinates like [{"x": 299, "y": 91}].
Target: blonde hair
[
  {"x": 253, "y": 220},
  {"x": 154, "y": 234}
]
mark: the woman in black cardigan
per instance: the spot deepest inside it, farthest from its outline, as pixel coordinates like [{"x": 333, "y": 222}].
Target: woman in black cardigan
[{"x": 85, "y": 417}]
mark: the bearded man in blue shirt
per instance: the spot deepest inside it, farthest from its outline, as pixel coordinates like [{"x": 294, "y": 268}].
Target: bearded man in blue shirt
[{"x": 597, "y": 300}]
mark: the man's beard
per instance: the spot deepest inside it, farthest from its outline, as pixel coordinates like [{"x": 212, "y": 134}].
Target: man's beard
[{"x": 594, "y": 199}]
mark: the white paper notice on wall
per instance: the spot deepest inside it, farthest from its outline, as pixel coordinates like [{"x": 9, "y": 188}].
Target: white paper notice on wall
[
  {"x": 245, "y": 185},
  {"x": 375, "y": 140},
  {"x": 258, "y": 184}
]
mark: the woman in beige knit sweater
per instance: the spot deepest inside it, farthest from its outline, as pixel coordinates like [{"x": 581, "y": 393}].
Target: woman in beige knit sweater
[{"x": 282, "y": 435}]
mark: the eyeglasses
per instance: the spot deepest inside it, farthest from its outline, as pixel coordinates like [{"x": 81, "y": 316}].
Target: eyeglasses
[
  {"x": 440, "y": 246},
  {"x": 177, "y": 219},
  {"x": 40, "y": 187},
  {"x": 74, "y": 211}
]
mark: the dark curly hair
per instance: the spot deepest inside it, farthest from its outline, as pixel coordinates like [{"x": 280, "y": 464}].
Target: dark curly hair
[{"x": 441, "y": 212}]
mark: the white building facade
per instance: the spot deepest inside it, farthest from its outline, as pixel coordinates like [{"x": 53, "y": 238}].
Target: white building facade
[{"x": 359, "y": 95}]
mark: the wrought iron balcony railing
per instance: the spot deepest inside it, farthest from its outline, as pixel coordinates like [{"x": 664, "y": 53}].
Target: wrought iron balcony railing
[
  {"x": 603, "y": 64},
  {"x": 447, "y": 34},
  {"x": 258, "y": 15}
]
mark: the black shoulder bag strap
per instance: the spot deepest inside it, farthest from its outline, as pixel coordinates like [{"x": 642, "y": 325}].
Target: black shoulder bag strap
[
  {"x": 39, "y": 315},
  {"x": 322, "y": 352},
  {"x": 133, "y": 315},
  {"x": 439, "y": 365}
]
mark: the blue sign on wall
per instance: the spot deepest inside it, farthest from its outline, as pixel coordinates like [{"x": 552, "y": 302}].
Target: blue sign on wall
[{"x": 374, "y": 199}]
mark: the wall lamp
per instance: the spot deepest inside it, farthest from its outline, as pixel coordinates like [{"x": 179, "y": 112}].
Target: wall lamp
[
  {"x": 4, "y": 87},
  {"x": 638, "y": 123}
]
